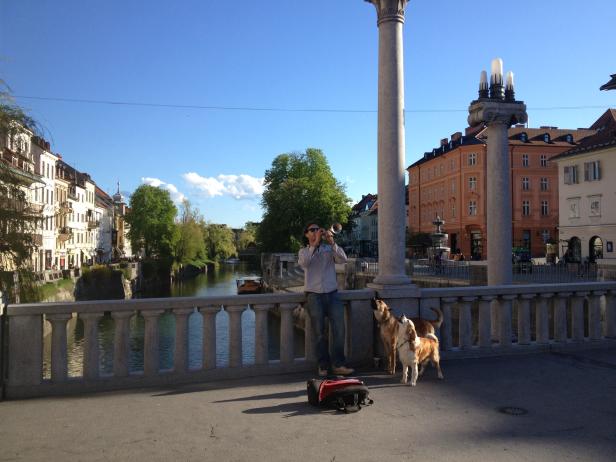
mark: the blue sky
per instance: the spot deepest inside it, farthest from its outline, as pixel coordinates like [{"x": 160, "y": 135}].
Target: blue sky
[{"x": 290, "y": 54}]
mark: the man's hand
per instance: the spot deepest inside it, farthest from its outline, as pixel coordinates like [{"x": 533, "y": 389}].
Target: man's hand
[{"x": 329, "y": 237}]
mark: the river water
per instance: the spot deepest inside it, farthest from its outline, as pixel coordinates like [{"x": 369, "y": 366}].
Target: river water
[{"x": 215, "y": 283}]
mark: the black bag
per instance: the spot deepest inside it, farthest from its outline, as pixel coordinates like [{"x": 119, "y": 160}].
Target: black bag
[{"x": 343, "y": 394}]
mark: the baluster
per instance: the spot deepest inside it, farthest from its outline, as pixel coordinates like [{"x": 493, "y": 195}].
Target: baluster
[
  {"x": 180, "y": 356},
  {"x": 446, "y": 304},
  {"x": 594, "y": 315},
  {"x": 90, "y": 345},
  {"x": 577, "y": 316},
  {"x": 524, "y": 319},
  {"x": 542, "y": 318},
  {"x": 610, "y": 314},
  {"x": 560, "y": 316},
  {"x": 286, "y": 332},
  {"x": 261, "y": 334},
  {"x": 121, "y": 346},
  {"x": 309, "y": 348},
  {"x": 59, "y": 358},
  {"x": 209, "y": 335},
  {"x": 485, "y": 321},
  {"x": 494, "y": 314},
  {"x": 235, "y": 334},
  {"x": 465, "y": 331},
  {"x": 504, "y": 318},
  {"x": 151, "y": 351}
]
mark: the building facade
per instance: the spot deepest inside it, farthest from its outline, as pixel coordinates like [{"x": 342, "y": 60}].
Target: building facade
[
  {"x": 587, "y": 184},
  {"x": 450, "y": 181}
]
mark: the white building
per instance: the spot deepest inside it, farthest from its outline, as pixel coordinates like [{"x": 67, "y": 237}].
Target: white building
[
  {"x": 45, "y": 197},
  {"x": 587, "y": 194},
  {"x": 103, "y": 234}
]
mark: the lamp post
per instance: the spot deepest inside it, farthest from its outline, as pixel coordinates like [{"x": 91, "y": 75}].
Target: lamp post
[
  {"x": 497, "y": 108},
  {"x": 391, "y": 145}
]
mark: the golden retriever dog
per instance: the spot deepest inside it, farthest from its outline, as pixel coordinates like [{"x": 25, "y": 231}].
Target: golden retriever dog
[
  {"x": 388, "y": 328},
  {"x": 415, "y": 352}
]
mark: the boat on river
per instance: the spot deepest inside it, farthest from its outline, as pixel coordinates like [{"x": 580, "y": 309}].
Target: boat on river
[{"x": 250, "y": 285}]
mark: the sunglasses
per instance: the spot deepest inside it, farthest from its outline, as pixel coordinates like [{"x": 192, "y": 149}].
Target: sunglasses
[{"x": 313, "y": 230}]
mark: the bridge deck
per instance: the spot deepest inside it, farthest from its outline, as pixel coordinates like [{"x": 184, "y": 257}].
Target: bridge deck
[{"x": 570, "y": 399}]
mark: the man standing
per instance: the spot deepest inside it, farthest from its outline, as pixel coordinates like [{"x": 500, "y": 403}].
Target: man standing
[{"x": 318, "y": 261}]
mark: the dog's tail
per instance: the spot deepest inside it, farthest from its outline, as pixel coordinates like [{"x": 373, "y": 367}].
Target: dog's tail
[
  {"x": 439, "y": 318},
  {"x": 432, "y": 337}
]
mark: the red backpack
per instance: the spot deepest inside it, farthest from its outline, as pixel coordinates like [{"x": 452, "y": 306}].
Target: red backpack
[{"x": 343, "y": 394}]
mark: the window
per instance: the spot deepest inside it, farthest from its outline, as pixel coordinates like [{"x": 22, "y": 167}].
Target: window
[
  {"x": 595, "y": 206},
  {"x": 472, "y": 208},
  {"x": 453, "y": 187},
  {"x": 524, "y": 160},
  {"x": 523, "y": 137},
  {"x": 526, "y": 208},
  {"x": 546, "y": 138},
  {"x": 569, "y": 138},
  {"x": 472, "y": 183},
  {"x": 525, "y": 183},
  {"x": 472, "y": 158},
  {"x": 571, "y": 174},
  {"x": 545, "y": 235},
  {"x": 544, "y": 160},
  {"x": 544, "y": 184},
  {"x": 544, "y": 208},
  {"x": 453, "y": 210},
  {"x": 452, "y": 164},
  {"x": 592, "y": 171}
]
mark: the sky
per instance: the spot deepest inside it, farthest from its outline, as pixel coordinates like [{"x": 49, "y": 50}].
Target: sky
[{"x": 207, "y": 93}]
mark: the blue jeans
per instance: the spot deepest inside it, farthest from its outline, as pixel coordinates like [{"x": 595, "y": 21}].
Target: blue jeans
[{"x": 319, "y": 307}]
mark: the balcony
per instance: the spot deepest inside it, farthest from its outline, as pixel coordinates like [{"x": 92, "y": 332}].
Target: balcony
[
  {"x": 34, "y": 209},
  {"x": 72, "y": 194},
  {"x": 65, "y": 207},
  {"x": 64, "y": 233},
  {"x": 93, "y": 224}
]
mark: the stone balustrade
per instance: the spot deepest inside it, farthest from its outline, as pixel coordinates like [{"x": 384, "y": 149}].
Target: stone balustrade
[{"x": 478, "y": 321}]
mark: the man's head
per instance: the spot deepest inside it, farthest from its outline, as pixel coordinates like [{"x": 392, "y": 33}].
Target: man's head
[{"x": 313, "y": 232}]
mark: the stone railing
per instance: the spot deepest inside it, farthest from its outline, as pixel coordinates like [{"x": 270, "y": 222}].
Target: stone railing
[{"x": 478, "y": 321}]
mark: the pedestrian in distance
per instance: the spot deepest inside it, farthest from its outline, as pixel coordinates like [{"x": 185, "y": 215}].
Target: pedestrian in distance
[{"x": 318, "y": 260}]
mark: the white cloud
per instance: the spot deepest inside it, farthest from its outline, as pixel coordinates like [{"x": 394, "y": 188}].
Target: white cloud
[
  {"x": 237, "y": 186},
  {"x": 176, "y": 196}
]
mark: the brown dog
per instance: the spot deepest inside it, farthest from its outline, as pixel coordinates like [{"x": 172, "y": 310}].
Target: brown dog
[
  {"x": 388, "y": 328},
  {"x": 415, "y": 352}
]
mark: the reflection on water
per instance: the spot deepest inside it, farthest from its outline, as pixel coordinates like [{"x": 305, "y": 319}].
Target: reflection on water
[{"x": 216, "y": 283}]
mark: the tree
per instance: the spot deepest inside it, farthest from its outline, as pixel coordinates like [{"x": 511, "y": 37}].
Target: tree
[
  {"x": 18, "y": 218},
  {"x": 248, "y": 236},
  {"x": 219, "y": 241},
  {"x": 190, "y": 246},
  {"x": 151, "y": 219},
  {"x": 299, "y": 187}
]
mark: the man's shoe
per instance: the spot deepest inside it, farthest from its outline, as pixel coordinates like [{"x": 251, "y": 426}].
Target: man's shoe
[
  {"x": 342, "y": 370},
  {"x": 322, "y": 372}
]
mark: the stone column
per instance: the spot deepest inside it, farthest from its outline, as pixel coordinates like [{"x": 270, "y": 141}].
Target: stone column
[
  {"x": 391, "y": 144},
  {"x": 498, "y": 111},
  {"x": 59, "y": 354}
]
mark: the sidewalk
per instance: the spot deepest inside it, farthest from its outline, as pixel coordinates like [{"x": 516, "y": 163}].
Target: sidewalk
[{"x": 570, "y": 401}]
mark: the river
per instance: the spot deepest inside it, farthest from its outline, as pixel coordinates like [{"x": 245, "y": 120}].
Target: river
[{"x": 215, "y": 283}]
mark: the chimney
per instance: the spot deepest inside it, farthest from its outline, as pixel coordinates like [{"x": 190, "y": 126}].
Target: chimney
[
  {"x": 456, "y": 136},
  {"x": 444, "y": 142}
]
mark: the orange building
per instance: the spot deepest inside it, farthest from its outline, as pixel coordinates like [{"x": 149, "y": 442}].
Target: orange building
[{"x": 450, "y": 182}]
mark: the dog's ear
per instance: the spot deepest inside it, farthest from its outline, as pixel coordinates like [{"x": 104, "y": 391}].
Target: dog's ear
[{"x": 374, "y": 303}]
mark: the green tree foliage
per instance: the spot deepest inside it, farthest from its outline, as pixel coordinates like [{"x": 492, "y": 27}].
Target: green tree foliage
[
  {"x": 248, "y": 236},
  {"x": 299, "y": 187},
  {"x": 18, "y": 219},
  {"x": 219, "y": 241},
  {"x": 151, "y": 219},
  {"x": 190, "y": 246}
]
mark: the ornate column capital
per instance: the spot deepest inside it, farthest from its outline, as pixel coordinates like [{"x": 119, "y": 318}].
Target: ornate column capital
[
  {"x": 389, "y": 10},
  {"x": 493, "y": 112}
]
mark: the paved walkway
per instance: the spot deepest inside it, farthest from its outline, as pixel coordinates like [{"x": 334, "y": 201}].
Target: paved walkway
[{"x": 570, "y": 401}]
